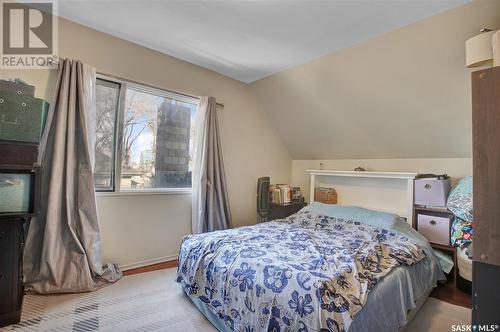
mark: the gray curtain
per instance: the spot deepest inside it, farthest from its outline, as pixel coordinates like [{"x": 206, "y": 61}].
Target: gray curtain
[
  {"x": 63, "y": 246},
  {"x": 210, "y": 210}
]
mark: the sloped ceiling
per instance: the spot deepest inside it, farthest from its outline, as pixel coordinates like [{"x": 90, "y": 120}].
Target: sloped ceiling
[
  {"x": 248, "y": 40},
  {"x": 405, "y": 94}
]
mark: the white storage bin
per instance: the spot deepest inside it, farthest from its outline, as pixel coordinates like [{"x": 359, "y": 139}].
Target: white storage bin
[
  {"x": 431, "y": 192},
  {"x": 435, "y": 229}
]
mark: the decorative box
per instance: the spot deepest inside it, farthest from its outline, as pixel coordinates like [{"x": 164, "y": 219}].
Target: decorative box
[
  {"x": 432, "y": 192},
  {"x": 16, "y": 192},
  {"x": 22, "y": 118}
]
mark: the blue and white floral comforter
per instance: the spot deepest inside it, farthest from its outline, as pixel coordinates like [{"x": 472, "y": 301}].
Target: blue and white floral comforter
[{"x": 309, "y": 272}]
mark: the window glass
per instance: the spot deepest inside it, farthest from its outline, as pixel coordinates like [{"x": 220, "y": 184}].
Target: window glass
[
  {"x": 107, "y": 97},
  {"x": 157, "y": 142}
]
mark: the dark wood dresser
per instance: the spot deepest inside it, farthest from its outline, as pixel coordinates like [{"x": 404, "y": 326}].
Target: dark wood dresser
[
  {"x": 280, "y": 211},
  {"x": 486, "y": 172},
  {"x": 19, "y": 199}
]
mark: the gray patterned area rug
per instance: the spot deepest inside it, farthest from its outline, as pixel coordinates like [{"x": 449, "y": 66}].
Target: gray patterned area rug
[
  {"x": 150, "y": 301},
  {"x": 153, "y": 301}
]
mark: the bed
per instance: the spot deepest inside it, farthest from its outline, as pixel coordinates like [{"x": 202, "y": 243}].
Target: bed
[{"x": 326, "y": 268}]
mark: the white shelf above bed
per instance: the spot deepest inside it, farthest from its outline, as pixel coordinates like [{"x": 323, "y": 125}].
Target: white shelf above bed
[
  {"x": 365, "y": 174},
  {"x": 403, "y": 208}
]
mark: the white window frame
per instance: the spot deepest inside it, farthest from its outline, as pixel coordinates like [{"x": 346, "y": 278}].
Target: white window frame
[{"x": 120, "y": 116}]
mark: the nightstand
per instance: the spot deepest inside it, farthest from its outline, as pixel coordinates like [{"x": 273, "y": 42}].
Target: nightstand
[
  {"x": 435, "y": 225},
  {"x": 281, "y": 211}
]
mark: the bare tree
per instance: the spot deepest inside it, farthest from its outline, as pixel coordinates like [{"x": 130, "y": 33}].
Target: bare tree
[
  {"x": 105, "y": 125},
  {"x": 139, "y": 117}
]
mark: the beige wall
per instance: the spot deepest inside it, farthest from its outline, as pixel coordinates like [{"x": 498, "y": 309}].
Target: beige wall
[
  {"x": 401, "y": 99},
  {"x": 404, "y": 94},
  {"x": 147, "y": 228}
]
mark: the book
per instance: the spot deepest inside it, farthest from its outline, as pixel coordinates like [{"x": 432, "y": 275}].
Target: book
[{"x": 282, "y": 193}]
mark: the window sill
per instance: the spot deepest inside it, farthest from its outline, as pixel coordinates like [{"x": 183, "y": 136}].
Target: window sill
[{"x": 142, "y": 192}]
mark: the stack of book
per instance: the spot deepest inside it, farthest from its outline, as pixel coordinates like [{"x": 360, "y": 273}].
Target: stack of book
[{"x": 284, "y": 193}]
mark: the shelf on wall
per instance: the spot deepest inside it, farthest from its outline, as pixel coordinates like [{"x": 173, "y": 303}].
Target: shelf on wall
[{"x": 365, "y": 174}]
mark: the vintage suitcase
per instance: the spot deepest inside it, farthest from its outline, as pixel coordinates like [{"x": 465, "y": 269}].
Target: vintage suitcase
[
  {"x": 16, "y": 192},
  {"x": 432, "y": 191},
  {"x": 17, "y": 88},
  {"x": 22, "y": 118},
  {"x": 18, "y": 153}
]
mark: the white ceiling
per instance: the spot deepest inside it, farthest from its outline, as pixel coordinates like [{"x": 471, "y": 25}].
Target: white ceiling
[{"x": 249, "y": 40}]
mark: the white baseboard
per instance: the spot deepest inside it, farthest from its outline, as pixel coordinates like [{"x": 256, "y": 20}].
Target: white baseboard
[{"x": 130, "y": 266}]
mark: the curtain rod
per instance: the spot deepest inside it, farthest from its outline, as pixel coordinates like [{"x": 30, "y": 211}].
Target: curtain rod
[{"x": 219, "y": 104}]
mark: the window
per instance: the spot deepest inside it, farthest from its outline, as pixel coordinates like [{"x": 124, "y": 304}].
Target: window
[
  {"x": 145, "y": 137},
  {"x": 107, "y": 95}
]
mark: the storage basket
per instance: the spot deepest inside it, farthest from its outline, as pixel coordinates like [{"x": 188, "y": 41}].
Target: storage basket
[{"x": 325, "y": 195}]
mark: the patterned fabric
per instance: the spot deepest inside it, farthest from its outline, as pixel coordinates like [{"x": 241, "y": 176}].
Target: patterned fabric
[
  {"x": 461, "y": 232},
  {"x": 308, "y": 272},
  {"x": 468, "y": 251},
  {"x": 460, "y": 199}
]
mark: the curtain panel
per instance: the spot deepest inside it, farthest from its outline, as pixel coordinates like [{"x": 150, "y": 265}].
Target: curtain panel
[
  {"x": 210, "y": 201},
  {"x": 63, "y": 246}
]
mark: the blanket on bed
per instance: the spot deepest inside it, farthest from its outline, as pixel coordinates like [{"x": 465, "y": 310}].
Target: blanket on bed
[{"x": 308, "y": 272}]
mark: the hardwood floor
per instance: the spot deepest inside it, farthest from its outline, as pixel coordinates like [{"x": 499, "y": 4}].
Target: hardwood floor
[
  {"x": 149, "y": 268},
  {"x": 444, "y": 292},
  {"x": 447, "y": 293}
]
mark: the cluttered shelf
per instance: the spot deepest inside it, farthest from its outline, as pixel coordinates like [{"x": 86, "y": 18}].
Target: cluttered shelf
[
  {"x": 284, "y": 194},
  {"x": 444, "y": 217}
]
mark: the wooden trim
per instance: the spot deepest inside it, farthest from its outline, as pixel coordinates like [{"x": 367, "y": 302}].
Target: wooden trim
[
  {"x": 153, "y": 267},
  {"x": 147, "y": 262}
]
